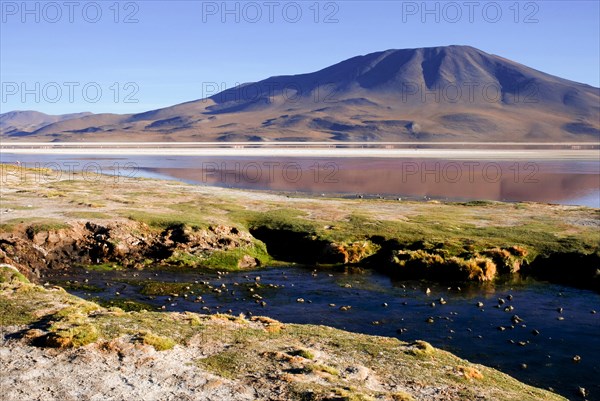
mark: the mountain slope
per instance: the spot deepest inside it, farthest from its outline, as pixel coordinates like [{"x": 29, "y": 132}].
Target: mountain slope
[
  {"x": 453, "y": 93},
  {"x": 20, "y": 123}
]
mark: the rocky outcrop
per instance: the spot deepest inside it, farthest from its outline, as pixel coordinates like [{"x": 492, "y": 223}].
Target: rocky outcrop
[
  {"x": 135, "y": 245},
  {"x": 126, "y": 243}
]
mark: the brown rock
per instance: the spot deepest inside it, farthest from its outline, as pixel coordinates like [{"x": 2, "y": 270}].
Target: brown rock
[{"x": 247, "y": 262}]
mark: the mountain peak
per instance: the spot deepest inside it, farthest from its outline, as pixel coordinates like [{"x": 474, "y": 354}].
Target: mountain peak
[{"x": 442, "y": 93}]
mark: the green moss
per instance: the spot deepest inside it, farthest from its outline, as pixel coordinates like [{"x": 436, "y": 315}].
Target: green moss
[
  {"x": 351, "y": 394},
  {"x": 184, "y": 259},
  {"x": 76, "y": 286},
  {"x": 74, "y": 336},
  {"x": 47, "y": 226},
  {"x": 421, "y": 349},
  {"x": 35, "y": 224},
  {"x": 230, "y": 259},
  {"x": 88, "y": 215},
  {"x": 11, "y": 275},
  {"x": 159, "y": 343},
  {"x": 227, "y": 364},
  {"x": 102, "y": 267},
  {"x": 178, "y": 327},
  {"x": 128, "y": 305},
  {"x": 304, "y": 353},
  {"x": 164, "y": 220},
  {"x": 402, "y": 396},
  {"x": 317, "y": 367},
  {"x": 277, "y": 219},
  {"x": 13, "y": 314},
  {"x": 158, "y": 288}
]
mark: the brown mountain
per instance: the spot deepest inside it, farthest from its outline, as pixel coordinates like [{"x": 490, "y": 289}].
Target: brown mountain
[
  {"x": 22, "y": 123},
  {"x": 454, "y": 93}
]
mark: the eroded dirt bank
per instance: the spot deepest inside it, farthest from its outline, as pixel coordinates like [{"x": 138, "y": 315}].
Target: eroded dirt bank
[{"x": 36, "y": 249}]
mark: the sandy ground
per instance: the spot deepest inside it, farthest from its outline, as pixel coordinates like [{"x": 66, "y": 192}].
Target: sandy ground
[{"x": 137, "y": 373}]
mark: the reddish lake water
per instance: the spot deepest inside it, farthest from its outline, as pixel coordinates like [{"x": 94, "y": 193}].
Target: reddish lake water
[{"x": 574, "y": 182}]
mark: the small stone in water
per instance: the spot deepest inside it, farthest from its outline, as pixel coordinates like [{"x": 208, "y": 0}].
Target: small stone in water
[
  {"x": 576, "y": 359},
  {"x": 516, "y": 319}
]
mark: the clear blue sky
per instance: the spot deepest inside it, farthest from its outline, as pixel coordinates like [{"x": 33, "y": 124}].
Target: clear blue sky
[{"x": 178, "y": 47}]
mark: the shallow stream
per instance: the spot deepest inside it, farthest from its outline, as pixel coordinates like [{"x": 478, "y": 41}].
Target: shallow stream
[{"x": 557, "y": 324}]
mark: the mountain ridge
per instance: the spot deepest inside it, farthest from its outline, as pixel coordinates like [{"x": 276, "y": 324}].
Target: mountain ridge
[{"x": 445, "y": 93}]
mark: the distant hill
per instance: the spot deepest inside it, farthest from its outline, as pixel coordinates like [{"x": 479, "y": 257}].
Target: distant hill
[
  {"x": 453, "y": 93},
  {"x": 22, "y": 123}
]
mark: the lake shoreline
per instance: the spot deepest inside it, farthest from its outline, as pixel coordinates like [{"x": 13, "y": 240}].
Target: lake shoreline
[
  {"x": 133, "y": 224},
  {"x": 216, "y": 228},
  {"x": 571, "y": 152}
]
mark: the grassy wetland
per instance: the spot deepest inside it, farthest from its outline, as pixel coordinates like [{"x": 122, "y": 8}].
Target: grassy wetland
[{"x": 103, "y": 226}]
